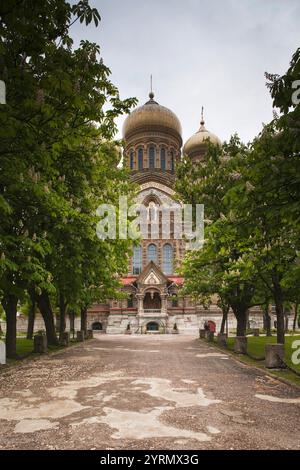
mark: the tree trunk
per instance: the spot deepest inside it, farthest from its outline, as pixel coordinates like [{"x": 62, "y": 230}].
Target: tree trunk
[
  {"x": 62, "y": 315},
  {"x": 224, "y": 319},
  {"x": 57, "y": 322},
  {"x": 241, "y": 315},
  {"x": 83, "y": 319},
  {"x": 278, "y": 299},
  {"x": 267, "y": 321},
  {"x": 31, "y": 316},
  {"x": 295, "y": 316},
  {"x": 72, "y": 322},
  {"x": 280, "y": 324},
  {"x": 47, "y": 314},
  {"x": 241, "y": 325},
  {"x": 247, "y": 320},
  {"x": 286, "y": 321},
  {"x": 10, "y": 303}
]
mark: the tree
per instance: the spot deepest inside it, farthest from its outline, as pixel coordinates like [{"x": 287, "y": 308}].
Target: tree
[
  {"x": 256, "y": 195},
  {"x": 31, "y": 313},
  {"x": 60, "y": 110},
  {"x": 271, "y": 250},
  {"x": 285, "y": 93},
  {"x": 213, "y": 269}
]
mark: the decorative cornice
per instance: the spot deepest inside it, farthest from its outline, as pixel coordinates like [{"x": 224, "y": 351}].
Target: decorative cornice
[
  {"x": 153, "y": 130},
  {"x": 159, "y": 186},
  {"x": 164, "y": 177}
]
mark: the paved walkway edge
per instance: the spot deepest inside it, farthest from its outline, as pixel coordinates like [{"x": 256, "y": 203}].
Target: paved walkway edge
[
  {"x": 38, "y": 357},
  {"x": 237, "y": 358}
]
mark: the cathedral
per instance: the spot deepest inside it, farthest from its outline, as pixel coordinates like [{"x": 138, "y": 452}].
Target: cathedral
[{"x": 153, "y": 144}]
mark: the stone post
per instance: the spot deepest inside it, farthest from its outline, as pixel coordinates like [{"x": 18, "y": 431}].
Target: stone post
[
  {"x": 221, "y": 339},
  {"x": 89, "y": 334},
  {"x": 274, "y": 356},
  {"x": 201, "y": 334},
  {"x": 240, "y": 345},
  {"x": 2, "y": 353},
  {"x": 40, "y": 343},
  {"x": 65, "y": 339},
  {"x": 80, "y": 335},
  {"x": 255, "y": 331}
]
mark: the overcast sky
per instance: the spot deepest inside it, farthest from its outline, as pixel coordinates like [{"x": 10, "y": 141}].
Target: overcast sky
[{"x": 210, "y": 53}]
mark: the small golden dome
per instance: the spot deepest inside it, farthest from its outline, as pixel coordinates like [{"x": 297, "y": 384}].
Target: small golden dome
[
  {"x": 151, "y": 115},
  {"x": 198, "y": 141}
]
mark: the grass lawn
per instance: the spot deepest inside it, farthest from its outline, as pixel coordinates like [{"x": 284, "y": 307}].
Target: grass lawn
[
  {"x": 256, "y": 349},
  {"x": 25, "y": 348}
]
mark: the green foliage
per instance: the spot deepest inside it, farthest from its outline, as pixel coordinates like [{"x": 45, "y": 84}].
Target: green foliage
[
  {"x": 252, "y": 213},
  {"x": 256, "y": 347},
  {"x": 57, "y": 156},
  {"x": 214, "y": 270}
]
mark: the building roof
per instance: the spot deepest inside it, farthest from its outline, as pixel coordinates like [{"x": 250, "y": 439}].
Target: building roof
[
  {"x": 151, "y": 114},
  {"x": 176, "y": 279},
  {"x": 198, "y": 141},
  {"x": 126, "y": 281}
]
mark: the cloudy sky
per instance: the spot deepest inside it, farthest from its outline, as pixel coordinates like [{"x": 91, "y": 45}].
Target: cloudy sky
[{"x": 210, "y": 53}]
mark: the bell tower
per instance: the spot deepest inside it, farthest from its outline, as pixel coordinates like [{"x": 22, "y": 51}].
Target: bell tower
[{"x": 152, "y": 135}]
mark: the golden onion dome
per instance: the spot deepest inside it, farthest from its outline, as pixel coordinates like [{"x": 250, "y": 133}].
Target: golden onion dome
[
  {"x": 198, "y": 142},
  {"x": 151, "y": 116}
]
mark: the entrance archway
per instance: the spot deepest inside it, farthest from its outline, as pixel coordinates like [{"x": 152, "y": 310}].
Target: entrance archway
[
  {"x": 152, "y": 301},
  {"x": 152, "y": 326},
  {"x": 211, "y": 326},
  {"x": 97, "y": 326}
]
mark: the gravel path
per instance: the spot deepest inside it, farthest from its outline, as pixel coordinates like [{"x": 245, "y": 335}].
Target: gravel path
[{"x": 145, "y": 392}]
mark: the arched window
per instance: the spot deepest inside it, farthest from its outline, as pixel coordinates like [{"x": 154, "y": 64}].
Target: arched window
[
  {"x": 151, "y": 157},
  {"x": 130, "y": 301},
  {"x": 140, "y": 159},
  {"x": 137, "y": 260},
  {"x": 168, "y": 259},
  {"x": 152, "y": 212},
  {"x": 152, "y": 326},
  {"x": 152, "y": 253},
  {"x": 174, "y": 300},
  {"x": 163, "y": 159},
  {"x": 172, "y": 162},
  {"x": 131, "y": 160}
]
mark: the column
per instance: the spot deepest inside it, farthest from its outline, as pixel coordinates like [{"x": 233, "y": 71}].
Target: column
[
  {"x": 140, "y": 299},
  {"x": 164, "y": 305}
]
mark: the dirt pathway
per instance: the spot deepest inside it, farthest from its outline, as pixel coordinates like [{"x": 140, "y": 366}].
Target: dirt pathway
[{"x": 145, "y": 392}]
